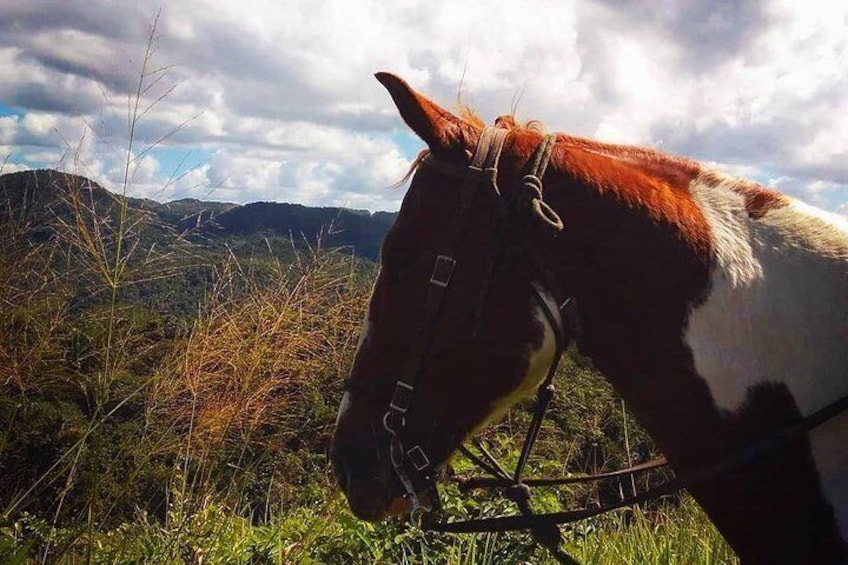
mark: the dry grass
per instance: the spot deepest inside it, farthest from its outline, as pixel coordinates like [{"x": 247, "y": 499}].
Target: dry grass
[{"x": 254, "y": 353}]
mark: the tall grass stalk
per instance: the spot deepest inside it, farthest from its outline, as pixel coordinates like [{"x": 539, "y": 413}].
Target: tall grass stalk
[{"x": 99, "y": 242}]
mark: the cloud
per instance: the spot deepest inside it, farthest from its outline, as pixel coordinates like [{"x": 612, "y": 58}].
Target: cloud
[
  {"x": 707, "y": 33},
  {"x": 282, "y": 100},
  {"x": 329, "y": 167}
]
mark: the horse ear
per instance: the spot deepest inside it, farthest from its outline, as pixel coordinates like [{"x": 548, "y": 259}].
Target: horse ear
[{"x": 439, "y": 129}]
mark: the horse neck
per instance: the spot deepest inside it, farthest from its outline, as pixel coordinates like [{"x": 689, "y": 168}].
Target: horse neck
[
  {"x": 656, "y": 289},
  {"x": 713, "y": 346}
]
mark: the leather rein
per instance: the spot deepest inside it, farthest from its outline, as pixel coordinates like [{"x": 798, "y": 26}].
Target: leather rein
[{"x": 412, "y": 464}]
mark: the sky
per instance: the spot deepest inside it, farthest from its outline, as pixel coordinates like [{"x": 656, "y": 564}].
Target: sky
[{"x": 276, "y": 101}]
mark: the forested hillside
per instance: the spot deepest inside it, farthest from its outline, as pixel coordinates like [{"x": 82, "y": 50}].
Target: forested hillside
[{"x": 43, "y": 194}]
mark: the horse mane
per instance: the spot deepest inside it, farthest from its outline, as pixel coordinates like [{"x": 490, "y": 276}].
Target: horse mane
[
  {"x": 672, "y": 171},
  {"x": 617, "y": 168}
]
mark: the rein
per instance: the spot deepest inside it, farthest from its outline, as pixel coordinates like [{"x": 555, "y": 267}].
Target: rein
[
  {"x": 412, "y": 464},
  {"x": 731, "y": 461}
]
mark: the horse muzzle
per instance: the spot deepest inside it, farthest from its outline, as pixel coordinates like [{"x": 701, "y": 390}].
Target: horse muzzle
[{"x": 366, "y": 478}]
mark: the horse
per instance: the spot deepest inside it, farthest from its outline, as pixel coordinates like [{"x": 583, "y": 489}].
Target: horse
[{"x": 716, "y": 308}]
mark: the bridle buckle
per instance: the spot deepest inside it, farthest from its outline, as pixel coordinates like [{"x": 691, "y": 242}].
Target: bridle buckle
[
  {"x": 402, "y": 397},
  {"x": 418, "y": 458},
  {"x": 442, "y": 271}
]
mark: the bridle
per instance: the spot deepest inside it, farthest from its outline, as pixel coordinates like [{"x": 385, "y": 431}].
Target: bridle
[
  {"x": 406, "y": 461},
  {"x": 413, "y": 466}
]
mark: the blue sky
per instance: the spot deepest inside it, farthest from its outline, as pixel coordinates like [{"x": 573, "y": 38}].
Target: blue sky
[
  {"x": 9, "y": 111},
  {"x": 277, "y": 101}
]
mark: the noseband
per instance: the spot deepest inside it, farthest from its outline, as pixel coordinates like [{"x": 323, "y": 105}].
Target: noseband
[{"x": 411, "y": 464}]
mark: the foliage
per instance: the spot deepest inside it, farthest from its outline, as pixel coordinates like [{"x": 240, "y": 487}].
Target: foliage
[
  {"x": 37, "y": 195},
  {"x": 325, "y": 532}
]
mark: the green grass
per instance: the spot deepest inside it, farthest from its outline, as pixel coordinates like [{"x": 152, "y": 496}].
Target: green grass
[
  {"x": 681, "y": 535},
  {"x": 325, "y": 532}
]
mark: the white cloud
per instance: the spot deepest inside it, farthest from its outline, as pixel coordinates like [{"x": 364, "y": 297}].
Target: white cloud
[
  {"x": 322, "y": 167},
  {"x": 8, "y": 130},
  {"x": 282, "y": 98}
]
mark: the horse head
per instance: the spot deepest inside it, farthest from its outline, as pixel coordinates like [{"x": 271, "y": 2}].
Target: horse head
[{"x": 459, "y": 324}]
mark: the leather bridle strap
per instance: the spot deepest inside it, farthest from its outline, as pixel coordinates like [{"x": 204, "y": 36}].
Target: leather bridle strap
[
  {"x": 726, "y": 464},
  {"x": 482, "y": 170},
  {"x": 530, "y": 204},
  {"x": 466, "y": 484}
]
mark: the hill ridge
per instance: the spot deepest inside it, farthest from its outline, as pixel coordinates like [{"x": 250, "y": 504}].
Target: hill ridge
[{"x": 39, "y": 192}]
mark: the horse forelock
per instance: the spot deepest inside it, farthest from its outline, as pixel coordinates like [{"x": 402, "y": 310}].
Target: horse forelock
[{"x": 506, "y": 121}]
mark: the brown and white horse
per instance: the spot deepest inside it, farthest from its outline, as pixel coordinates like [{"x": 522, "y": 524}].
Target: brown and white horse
[{"x": 718, "y": 310}]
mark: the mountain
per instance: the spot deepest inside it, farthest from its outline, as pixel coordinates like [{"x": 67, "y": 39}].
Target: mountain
[
  {"x": 35, "y": 196},
  {"x": 359, "y": 230}
]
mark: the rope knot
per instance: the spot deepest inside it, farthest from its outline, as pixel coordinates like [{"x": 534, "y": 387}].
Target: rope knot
[{"x": 532, "y": 186}]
